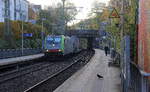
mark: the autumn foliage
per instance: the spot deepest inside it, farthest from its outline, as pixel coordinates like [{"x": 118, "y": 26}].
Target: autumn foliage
[{"x": 16, "y": 28}]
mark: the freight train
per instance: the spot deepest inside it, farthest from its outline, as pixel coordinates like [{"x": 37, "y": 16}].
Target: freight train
[{"x": 60, "y": 45}]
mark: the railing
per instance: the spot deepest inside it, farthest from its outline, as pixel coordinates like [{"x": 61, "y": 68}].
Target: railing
[
  {"x": 9, "y": 53},
  {"x": 139, "y": 80},
  {"x": 133, "y": 78}
]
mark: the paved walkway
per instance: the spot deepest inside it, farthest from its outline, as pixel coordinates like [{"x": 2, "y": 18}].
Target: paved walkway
[
  {"x": 85, "y": 80},
  {"x": 19, "y": 59}
]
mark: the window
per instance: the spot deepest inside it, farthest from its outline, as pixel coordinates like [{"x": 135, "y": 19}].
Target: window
[{"x": 53, "y": 40}]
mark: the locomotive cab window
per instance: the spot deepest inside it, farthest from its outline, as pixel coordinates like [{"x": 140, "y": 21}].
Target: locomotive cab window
[
  {"x": 54, "y": 40},
  {"x": 57, "y": 40}
]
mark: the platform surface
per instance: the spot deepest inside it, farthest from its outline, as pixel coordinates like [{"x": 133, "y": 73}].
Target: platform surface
[
  {"x": 19, "y": 59},
  {"x": 85, "y": 80}
]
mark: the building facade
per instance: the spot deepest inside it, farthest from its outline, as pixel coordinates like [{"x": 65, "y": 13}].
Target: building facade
[
  {"x": 34, "y": 11},
  {"x": 18, "y": 10},
  {"x": 2, "y": 10}
]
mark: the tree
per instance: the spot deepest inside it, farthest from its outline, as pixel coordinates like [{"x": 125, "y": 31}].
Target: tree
[
  {"x": 98, "y": 6},
  {"x": 70, "y": 12},
  {"x": 16, "y": 30},
  {"x": 94, "y": 17},
  {"x": 54, "y": 17}
]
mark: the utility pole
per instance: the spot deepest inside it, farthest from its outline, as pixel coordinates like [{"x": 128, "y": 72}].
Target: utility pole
[
  {"x": 122, "y": 19},
  {"x": 63, "y": 25},
  {"x": 7, "y": 32},
  {"x": 121, "y": 34},
  {"x": 7, "y": 17},
  {"x": 124, "y": 64},
  {"x": 122, "y": 28},
  {"x": 22, "y": 28}
]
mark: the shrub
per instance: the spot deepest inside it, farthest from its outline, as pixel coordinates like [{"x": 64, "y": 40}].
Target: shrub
[{"x": 16, "y": 28}]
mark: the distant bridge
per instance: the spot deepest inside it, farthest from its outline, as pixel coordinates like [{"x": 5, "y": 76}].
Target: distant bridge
[
  {"x": 90, "y": 35},
  {"x": 83, "y": 33}
]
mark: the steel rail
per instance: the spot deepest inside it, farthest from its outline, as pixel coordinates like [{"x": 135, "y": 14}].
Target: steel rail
[
  {"x": 77, "y": 60},
  {"x": 22, "y": 74}
]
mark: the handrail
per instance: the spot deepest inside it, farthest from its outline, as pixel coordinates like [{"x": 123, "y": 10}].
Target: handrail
[{"x": 142, "y": 72}]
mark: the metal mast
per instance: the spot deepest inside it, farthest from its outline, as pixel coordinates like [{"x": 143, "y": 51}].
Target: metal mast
[
  {"x": 7, "y": 17},
  {"x": 22, "y": 27},
  {"x": 122, "y": 18},
  {"x": 63, "y": 25},
  {"x": 7, "y": 31}
]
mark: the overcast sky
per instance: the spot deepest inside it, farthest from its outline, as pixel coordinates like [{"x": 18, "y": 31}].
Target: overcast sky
[{"x": 79, "y": 3}]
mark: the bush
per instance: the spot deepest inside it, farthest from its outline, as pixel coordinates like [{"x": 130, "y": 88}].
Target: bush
[
  {"x": 16, "y": 28},
  {"x": 3, "y": 44}
]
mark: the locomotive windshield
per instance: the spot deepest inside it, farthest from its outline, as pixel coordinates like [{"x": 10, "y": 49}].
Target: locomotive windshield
[{"x": 53, "y": 42}]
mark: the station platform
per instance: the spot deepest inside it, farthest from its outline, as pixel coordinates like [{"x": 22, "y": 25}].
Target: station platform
[
  {"x": 86, "y": 80},
  {"x": 9, "y": 61}
]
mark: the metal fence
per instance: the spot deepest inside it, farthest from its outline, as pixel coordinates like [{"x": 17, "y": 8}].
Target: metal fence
[
  {"x": 139, "y": 79},
  {"x": 133, "y": 78},
  {"x": 125, "y": 64},
  {"x": 9, "y": 53}
]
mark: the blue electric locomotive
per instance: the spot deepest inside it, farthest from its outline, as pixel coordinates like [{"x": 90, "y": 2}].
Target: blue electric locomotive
[{"x": 61, "y": 45}]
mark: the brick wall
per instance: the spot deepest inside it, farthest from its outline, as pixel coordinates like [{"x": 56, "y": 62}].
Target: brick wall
[{"x": 144, "y": 35}]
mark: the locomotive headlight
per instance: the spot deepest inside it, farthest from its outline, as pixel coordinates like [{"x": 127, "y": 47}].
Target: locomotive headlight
[
  {"x": 53, "y": 45},
  {"x": 59, "y": 50},
  {"x": 46, "y": 50}
]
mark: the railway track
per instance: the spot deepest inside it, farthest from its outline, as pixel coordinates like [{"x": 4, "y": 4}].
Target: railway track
[
  {"x": 13, "y": 67},
  {"x": 52, "y": 82},
  {"x": 23, "y": 71},
  {"x": 29, "y": 76}
]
